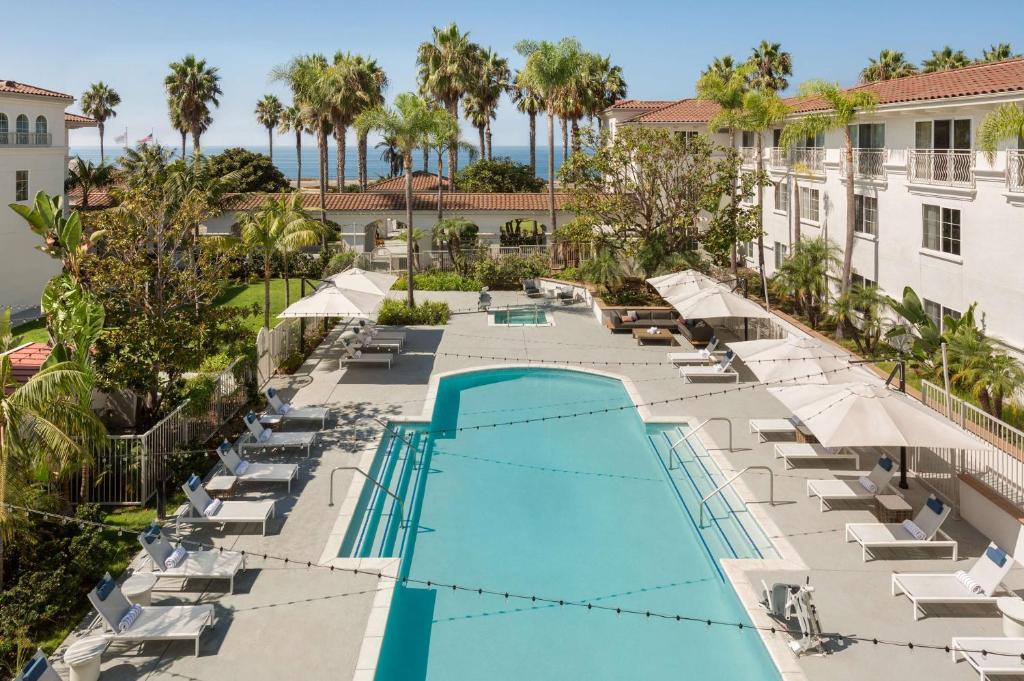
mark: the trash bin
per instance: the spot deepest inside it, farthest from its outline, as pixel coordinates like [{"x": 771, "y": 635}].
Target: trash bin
[{"x": 83, "y": 658}]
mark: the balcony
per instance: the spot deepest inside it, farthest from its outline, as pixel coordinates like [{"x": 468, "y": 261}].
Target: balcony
[
  {"x": 809, "y": 159},
  {"x": 1015, "y": 170},
  {"x": 940, "y": 167},
  {"x": 748, "y": 155},
  {"x": 867, "y": 163},
  {"x": 25, "y": 139}
]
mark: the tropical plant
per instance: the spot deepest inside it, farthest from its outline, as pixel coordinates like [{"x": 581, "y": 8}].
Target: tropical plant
[
  {"x": 889, "y": 64},
  {"x": 861, "y": 311},
  {"x": 946, "y": 59},
  {"x": 530, "y": 104},
  {"x": 402, "y": 314},
  {"x": 447, "y": 67},
  {"x": 144, "y": 165},
  {"x": 844, "y": 107},
  {"x": 268, "y": 114},
  {"x": 372, "y": 83},
  {"x": 492, "y": 80},
  {"x": 410, "y": 124},
  {"x": 390, "y": 154},
  {"x": 1004, "y": 123},
  {"x": 442, "y": 137},
  {"x": 98, "y": 103},
  {"x": 454, "y": 234},
  {"x": 605, "y": 270},
  {"x": 607, "y": 86},
  {"x": 192, "y": 87},
  {"x": 997, "y": 52},
  {"x": 549, "y": 70},
  {"x": 292, "y": 121},
  {"x": 247, "y": 171},
  {"x": 989, "y": 374},
  {"x": 722, "y": 67},
  {"x": 6, "y": 331},
  {"x": 86, "y": 175},
  {"x": 803, "y": 275},
  {"x": 349, "y": 97},
  {"x": 762, "y": 111},
  {"x": 62, "y": 235},
  {"x": 279, "y": 225},
  {"x": 501, "y": 175},
  {"x": 771, "y": 67}
]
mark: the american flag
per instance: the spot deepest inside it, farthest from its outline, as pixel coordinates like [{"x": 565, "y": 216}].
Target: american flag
[{"x": 148, "y": 138}]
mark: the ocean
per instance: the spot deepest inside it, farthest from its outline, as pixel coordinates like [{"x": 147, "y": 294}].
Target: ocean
[{"x": 285, "y": 159}]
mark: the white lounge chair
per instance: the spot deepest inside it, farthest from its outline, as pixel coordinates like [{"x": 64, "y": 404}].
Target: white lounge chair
[
  {"x": 723, "y": 368},
  {"x": 985, "y": 579},
  {"x": 247, "y": 471},
  {"x": 766, "y": 427},
  {"x": 266, "y": 438},
  {"x": 864, "y": 488},
  {"x": 703, "y": 356},
  {"x": 370, "y": 343},
  {"x": 194, "y": 564},
  {"x": 995, "y": 656},
  {"x": 283, "y": 411},
  {"x": 381, "y": 332},
  {"x": 227, "y": 512},
  {"x": 154, "y": 622},
  {"x": 899, "y": 536},
  {"x": 37, "y": 669},
  {"x": 353, "y": 355},
  {"x": 800, "y": 451}
]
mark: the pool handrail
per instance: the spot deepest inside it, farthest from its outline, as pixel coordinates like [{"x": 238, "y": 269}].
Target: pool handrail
[
  {"x": 686, "y": 437},
  {"x": 727, "y": 483},
  {"x": 357, "y": 469}
]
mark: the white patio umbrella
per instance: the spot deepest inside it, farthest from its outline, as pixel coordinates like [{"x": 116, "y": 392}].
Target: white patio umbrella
[
  {"x": 329, "y": 300},
  {"x": 364, "y": 281},
  {"x": 681, "y": 284},
  {"x": 794, "y": 358},
  {"x": 717, "y": 302}
]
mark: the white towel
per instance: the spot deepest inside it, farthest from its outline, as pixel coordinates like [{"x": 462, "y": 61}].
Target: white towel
[
  {"x": 212, "y": 509},
  {"x": 915, "y": 531},
  {"x": 174, "y": 560},
  {"x": 285, "y": 408},
  {"x": 653, "y": 329},
  {"x": 242, "y": 467},
  {"x": 129, "y": 618},
  {"x": 265, "y": 434},
  {"x": 867, "y": 484},
  {"x": 969, "y": 582}
]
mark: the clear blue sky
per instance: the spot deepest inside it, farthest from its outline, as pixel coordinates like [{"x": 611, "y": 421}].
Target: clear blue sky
[{"x": 662, "y": 45}]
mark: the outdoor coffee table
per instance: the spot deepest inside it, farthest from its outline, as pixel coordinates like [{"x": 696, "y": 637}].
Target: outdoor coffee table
[
  {"x": 803, "y": 434},
  {"x": 645, "y": 336},
  {"x": 221, "y": 486},
  {"x": 892, "y": 508}
]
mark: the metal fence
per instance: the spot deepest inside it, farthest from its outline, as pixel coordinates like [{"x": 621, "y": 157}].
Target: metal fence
[
  {"x": 560, "y": 255},
  {"x": 941, "y": 167},
  {"x": 273, "y": 346}
]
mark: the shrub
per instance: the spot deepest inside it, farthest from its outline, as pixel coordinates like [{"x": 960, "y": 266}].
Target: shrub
[
  {"x": 498, "y": 175},
  {"x": 396, "y": 312},
  {"x": 438, "y": 281},
  {"x": 571, "y": 274},
  {"x": 506, "y": 273},
  {"x": 338, "y": 263},
  {"x": 199, "y": 391},
  {"x": 255, "y": 172}
]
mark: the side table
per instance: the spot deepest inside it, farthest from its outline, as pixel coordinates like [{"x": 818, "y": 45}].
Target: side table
[{"x": 892, "y": 508}]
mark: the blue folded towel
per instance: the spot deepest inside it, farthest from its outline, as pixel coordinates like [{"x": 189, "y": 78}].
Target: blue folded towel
[
  {"x": 104, "y": 588},
  {"x": 225, "y": 446},
  {"x": 250, "y": 417},
  {"x": 34, "y": 669},
  {"x": 152, "y": 534},
  {"x": 996, "y": 555},
  {"x": 194, "y": 482},
  {"x": 935, "y": 505},
  {"x": 885, "y": 463},
  {"x": 271, "y": 392}
]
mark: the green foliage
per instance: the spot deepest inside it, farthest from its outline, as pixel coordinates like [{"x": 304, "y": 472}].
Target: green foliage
[
  {"x": 63, "y": 237},
  {"x": 398, "y": 313},
  {"x": 804, "y": 276},
  {"x": 576, "y": 230},
  {"x": 501, "y": 175},
  {"x": 571, "y": 274},
  {"x": 630, "y": 296},
  {"x": 861, "y": 312},
  {"x": 507, "y": 273},
  {"x": 438, "y": 281},
  {"x": 605, "y": 270},
  {"x": 252, "y": 172},
  {"x": 6, "y": 331},
  {"x": 339, "y": 262},
  {"x": 198, "y": 393}
]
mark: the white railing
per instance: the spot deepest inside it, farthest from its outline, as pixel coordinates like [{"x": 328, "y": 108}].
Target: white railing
[
  {"x": 1015, "y": 170},
  {"x": 560, "y": 254},
  {"x": 778, "y": 157},
  {"x": 26, "y": 139},
  {"x": 748, "y": 155},
  {"x": 941, "y": 167},
  {"x": 812, "y": 158},
  {"x": 866, "y": 162}
]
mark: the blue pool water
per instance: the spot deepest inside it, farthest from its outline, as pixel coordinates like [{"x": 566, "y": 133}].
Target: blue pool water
[
  {"x": 523, "y": 317},
  {"x": 582, "y": 509}
]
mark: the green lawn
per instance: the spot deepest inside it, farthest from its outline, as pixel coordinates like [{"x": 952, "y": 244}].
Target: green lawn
[
  {"x": 31, "y": 332},
  {"x": 244, "y": 295}
]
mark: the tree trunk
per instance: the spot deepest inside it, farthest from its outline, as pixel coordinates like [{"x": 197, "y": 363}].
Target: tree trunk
[
  {"x": 99, "y": 126},
  {"x": 760, "y": 205},
  {"x": 490, "y": 148},
  {"x": 533, "y": 142},
  {"x": 452, "y": 106},
  {"x": 575, "y": 135},
  {"x": 184, "y": 135},
  {"x": 551, "y": 168},
  {"x": 298, "y": 159},
  {"x": 266, "y": 290},
  {"x": 270, "y": 139},
  {"x": 339, "y": 135},
  {"x": 795, "y": 203},
  {"x": 363, "y": 180},
  {"x": 851, "y": 216},
  {"x": 408, "y": 227},
  {"x": 483, "y": 142},
  {"x": 426, "y": 159},
  {"x": 321, "y": 140},
  {"x": 440, "y": 189},
  {"x": 195, "y": 143},
  {"x": 733, "y": 256},
  {"x": 565, "y": 139}
]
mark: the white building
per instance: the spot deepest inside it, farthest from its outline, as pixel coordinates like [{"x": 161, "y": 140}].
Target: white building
[
  {"x": 33, "y": 158},
  {"x": 933, "y": 212}
]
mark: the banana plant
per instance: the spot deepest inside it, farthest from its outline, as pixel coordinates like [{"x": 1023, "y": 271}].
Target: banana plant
[{"x": 62, "y": 235}]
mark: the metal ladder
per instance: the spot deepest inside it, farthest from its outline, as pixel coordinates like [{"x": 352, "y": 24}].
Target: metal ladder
[
  {"x": 727, "y": 483},
  {"x": 685, "y": 438}
]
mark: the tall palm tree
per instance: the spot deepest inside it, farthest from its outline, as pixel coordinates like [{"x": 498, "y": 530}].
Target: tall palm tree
[
  {"x": 889, "y": 64},
  {"x": 348, "y": 99},
  {"x": 268, "y": 114},
  {"x": 946, "y": 59},
  {"x": 727, "y": 85},
  {"x": 493, "y": 78},
  {"x": 88, "y": 176},
  {"x": 444, "y": 136},
  {"x": 447, "y": 66},
  {"x": 771, "y": 65},
  {"x": 844, "y": 107},
  {"x": 608, "y": 86},
  {"x": 193, "y": 87},
  {"x": 1004, "y": 123},
  {"x": 997, "y": 52},
  {"x": 390, "y": 154},
  {"x": 479, "y": 116},
  {"x": 98, "y": 103},
  {"x": 411, "y": 123},
  {"x": 804, "y": 275},
  {"x": 530, "y": 104},
  {"x": 372, "y": 82},
  {"x": 549, "y": 69},
  {"x": 280, "y": 225},
  {"x": 292, "y": 121}
]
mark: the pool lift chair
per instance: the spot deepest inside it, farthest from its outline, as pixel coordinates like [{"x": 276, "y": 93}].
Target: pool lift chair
[{"x": 785, "y": 601}]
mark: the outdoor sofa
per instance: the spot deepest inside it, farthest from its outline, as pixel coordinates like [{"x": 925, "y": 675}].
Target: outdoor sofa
[{"x": 644, "y": 319}]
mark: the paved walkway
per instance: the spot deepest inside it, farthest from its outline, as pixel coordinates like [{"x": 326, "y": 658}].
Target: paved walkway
[{"x": 291, "y": 622}]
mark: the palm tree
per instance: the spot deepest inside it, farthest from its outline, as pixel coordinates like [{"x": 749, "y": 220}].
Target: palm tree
[
  {"x": 844, "y": 107},
  {"x": 193, "y": 86},
  {"x": 771, "y": 67},
  {"x": 804, "y": 275},
  {"x": 98, "y": 103},
  {"x": 448, "y": 233},
  {"x": 291, "y": 121},
  {"x": 87, "y": 176},
  {"x": 726, "y": 86},
  {"x": 372, "y": 81},
  {"x": 410, "y": 124},
  {"x": 762, "y": 111},
  {"x": 441, "y": 138},
  {"x": 889, "y": 64},
  {"x": 478, "y": 116},
  {"x": 548, "y": 71},
  {"x": 608, "y": 86},
  {"x": 492, "y": 79},
  {"x": 945, "y": 59},
  {"x": 1004, "y": 123},
  {"x": 390, "y": 154},
  {"x": 349, "y": 97},
  {"x": 997, "y": 52},
  {"x": 530, "y": 104},
  {"x": 279, "y": 225},
  {"x": 447, "y": 66},
  {"x": 268, "y": 114}
]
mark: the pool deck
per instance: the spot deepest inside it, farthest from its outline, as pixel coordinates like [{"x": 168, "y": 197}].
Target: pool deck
[{"x": 294, "y": 622}]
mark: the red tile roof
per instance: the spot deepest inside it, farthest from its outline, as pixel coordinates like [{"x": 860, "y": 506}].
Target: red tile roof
[
  {"x": 641, "y": 104},
  {"x": 98, "y": 199},
  {"x": 17, "y": 88},
  {"x": 390, "y": 201},
  {"x": 682, "y": 111},
  {"x": 73, "y": 120},
  {"x": 27, "y": 360},
  {"x": 421, "y": 182}
]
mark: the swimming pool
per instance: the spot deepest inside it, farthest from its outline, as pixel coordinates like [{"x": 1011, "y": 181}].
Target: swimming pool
[
  {"x": 583, "y": 509},
  {"x": 530, "y": 316}
]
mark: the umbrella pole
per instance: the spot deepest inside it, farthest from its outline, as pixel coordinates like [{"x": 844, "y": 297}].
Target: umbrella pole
[
  {"x": 302, "y": 320},
  {"x": 901, "y": 368}
]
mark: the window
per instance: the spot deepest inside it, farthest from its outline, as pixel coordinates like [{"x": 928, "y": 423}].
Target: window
[
  {"x": 21, "y": 185},
  {"x": 866, "y": 214},
  {"x": 686, "y": 134},
  {"x": 862, "y": 281},
  {"x": 815, "y": 141},
  {"x": 777, "y": 137},
  {"x": 21, "y": 128},
  {"x": 40, "y": 129},
  {"x": 938, "y": 313},
  {"x": 3, "y": 129},
  {"x": 809, "y": 200},
  {"x": 942, "y": 229},
  {"x": 780, "y": 254},
  {"x": 749, "y": 139},
  {"x": 782, "y": 196},
  {"x": 868, "y": 135}
]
